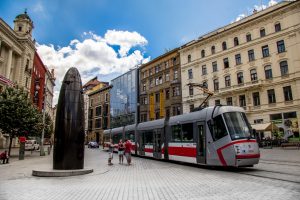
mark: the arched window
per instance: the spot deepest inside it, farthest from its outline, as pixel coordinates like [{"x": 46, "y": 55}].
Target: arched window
[
  {"x": 213, "y": 50},
  {"x": 240, "y": 78},
  {"x": 268, "y": 72},
  {"x": 189, "y": 58},
  {"x": 204, "y": 84},
  {"x": 203, "y": 53},
  {"x": 236, "y": 41},
  {"x": 284, "y": 69},
  {"x": 253, "y": 74},
  {"x": 227, "y": 81},
  {"x": 224, "y": 46}
]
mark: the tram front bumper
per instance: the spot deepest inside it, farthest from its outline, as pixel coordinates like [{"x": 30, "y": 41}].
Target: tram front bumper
[{"x": 247, "y": 160}]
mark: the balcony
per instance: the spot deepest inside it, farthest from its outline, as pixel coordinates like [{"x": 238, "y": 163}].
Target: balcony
[{"x": 242, "y": 87}]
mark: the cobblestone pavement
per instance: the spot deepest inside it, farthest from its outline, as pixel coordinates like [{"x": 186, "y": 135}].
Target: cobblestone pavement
[{"x": 144, "y": 179}]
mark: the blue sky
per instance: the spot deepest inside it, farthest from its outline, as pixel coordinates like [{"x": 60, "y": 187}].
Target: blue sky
[{"x": 105, "y": 38}]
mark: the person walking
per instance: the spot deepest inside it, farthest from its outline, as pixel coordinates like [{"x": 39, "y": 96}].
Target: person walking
[
  {"x": 4, "y": 157},
  {"x": 128, "y": 147},
  {"x": 110, "y": 151},
  {"x": 121, "y": 151}
]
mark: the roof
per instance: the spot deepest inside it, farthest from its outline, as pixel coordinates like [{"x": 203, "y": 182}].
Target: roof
[
  {"x": 23, "y": 16},
  {"x": 93, "y": 82},
  {"x": 265, "y": 127}
]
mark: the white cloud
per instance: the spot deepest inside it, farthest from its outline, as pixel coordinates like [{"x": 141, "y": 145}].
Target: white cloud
[
  {"x": 94, "y": 55},
  {"x": 257, "y": 8}
]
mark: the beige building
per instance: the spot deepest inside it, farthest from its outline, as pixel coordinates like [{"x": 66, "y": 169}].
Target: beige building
[
  {"x": 160, "y": 87},
  {"x": 253, "y": 63},
  {"x": 98, "y": 112},
  {"x": 16, "y": 52}
]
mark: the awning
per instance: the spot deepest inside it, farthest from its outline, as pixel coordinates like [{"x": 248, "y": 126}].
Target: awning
[{"x": 265, "y": 127}]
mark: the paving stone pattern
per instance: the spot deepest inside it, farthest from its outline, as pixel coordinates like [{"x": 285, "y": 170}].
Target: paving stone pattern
[{"x": 144, "y": 179}]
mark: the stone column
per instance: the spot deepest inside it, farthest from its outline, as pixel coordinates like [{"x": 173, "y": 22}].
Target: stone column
[{"x": 9, "y": 61}]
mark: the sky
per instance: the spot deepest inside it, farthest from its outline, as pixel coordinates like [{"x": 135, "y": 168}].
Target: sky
[{"x": 106, "y": 38}]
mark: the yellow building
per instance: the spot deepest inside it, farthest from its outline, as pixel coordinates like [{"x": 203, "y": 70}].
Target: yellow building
[{"x": 253, "y": 63}]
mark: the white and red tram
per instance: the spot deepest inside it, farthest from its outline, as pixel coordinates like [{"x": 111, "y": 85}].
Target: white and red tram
[{"x": 216, "y": 136}]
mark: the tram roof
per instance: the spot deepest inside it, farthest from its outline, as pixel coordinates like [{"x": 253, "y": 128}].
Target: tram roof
[
  {"x": 130, "y": 127},
  {"x": 107, "y": 131},
  {"x": 188, "y": 117},
  {"x": 151, "y": 125},
  {"x": 117, "y": 130}
]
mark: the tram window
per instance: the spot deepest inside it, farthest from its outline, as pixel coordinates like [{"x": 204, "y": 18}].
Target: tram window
[
  {"x": 187, "y": 132},
  {"x": 176, "y": 133},
  {"x": 238, "y": 125},
  {"x": 130, "y": 135},
  {"x": 218, "y": 128},
  {"x": 148, "y": 137}
]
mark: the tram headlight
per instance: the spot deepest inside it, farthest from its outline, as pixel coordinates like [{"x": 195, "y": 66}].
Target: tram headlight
[{"x": 237, "y": 149}]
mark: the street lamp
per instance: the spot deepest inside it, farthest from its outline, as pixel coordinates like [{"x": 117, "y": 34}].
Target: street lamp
[{"x": 42, "y": 152}]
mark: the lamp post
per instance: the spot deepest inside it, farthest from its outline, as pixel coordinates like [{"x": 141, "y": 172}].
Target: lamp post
[{"x": 42, "y": 152}]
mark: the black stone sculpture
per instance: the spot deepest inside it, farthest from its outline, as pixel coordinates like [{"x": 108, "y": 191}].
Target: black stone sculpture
[{"x": 68, "y": 150}]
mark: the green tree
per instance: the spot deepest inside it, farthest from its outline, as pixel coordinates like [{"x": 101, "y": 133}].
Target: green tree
[
  {"x": 18, "y": 116},
  {"x": 48, "y": 126}
]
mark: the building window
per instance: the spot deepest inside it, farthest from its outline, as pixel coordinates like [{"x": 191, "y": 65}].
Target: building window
[
  {"x": 271, "y": 96},
  {"x": 191, "y": 107},
  {"x": 174, "y": 61},
  {"x": 280, "y": 46},
  {"x": 20, "y": 28},
  {"x": 150, "y": 72},
  {"x": 166, "y": 64},
  {"x": 98, "y": 111},
  {"x": 106, "y": 97},
  {"x": 150, "y": 83},
  {"x": 287, "y": 91},
  {"x": 251, "y": 55},
  {"x": 176, "y": 110},
  {"x": 204, "y": 70},
  {"x": 157, "y": 115},
  {"x": 204, "y": 85},
  {"x": 240, "y": 78},
  {"x": 226, "y": 63},
  {"x": 191, "y": 90},
  {"x": 253, "y": 74},
  {"x": 268, "y": 72},
  {"x": 242, "y": 100},
  {"x": 277, "y": 27},
  {"x": 227, "y": 81},
  {"x": 91, "y": 102},
  {"x": 216, "y": 84},
  {"x": 144, "y": 86},
  {"x": 176, "y": 91},
  {"x": 262, "y": 32},
  {"x": 217, "y": 102},
  {"x": 156, "y": 97},
  {"x": 256, "y": 100},
  {"x": 98, "y": 123},
  {"x": 284, "y": 68},
  {"x": 258, "y": 121},
  {"x": 265, "y": 51},
  {"x": 236, "y": 41},
  {"x": 229, "y": 101},
  {"x": 190, "y": 73},
  {"x": 91, "y": 114},
  {"x": 238, "y": 59},
  {"x": 189, "y": 58},
  {"x": 175, "y": 74},
  {"x": 215, "y": 66},
  {"x": 167, "y": 94},
  {"x": 248, "y": 37},
  {"x": 213, "y": 50},
  {"x": 167, "y": 76},
  {"x": 160, "y": 80},
  {"x": 224, "y": 46},
  {"x": 203, "y": 53}
]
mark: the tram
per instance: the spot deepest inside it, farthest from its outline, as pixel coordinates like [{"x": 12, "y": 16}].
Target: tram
[{"x": 214, "y": 136}]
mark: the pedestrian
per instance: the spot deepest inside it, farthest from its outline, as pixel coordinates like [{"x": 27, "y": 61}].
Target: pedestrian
[
  {"x": 121, "y": 151},
  {"x": 110, "y": 152},
  {"x": 128, "y": 147},
  {"x": 4, "y": 157}
]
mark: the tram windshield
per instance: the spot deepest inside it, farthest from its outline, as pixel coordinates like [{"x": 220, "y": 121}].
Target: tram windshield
[{"x": 238, "y": 125}]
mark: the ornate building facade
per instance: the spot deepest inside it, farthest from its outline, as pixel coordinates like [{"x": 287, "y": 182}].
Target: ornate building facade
[
  {"x": 98, "y": 112},
  {"x": 16, "y": 52},
  {"x": 253, "y": 63},
  {"x": 160, "y": 87}
]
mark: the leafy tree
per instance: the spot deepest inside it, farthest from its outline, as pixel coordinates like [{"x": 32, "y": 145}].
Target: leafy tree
[
  {"x": 48, "y": 126},
  {"x": 18, "y": 116}
]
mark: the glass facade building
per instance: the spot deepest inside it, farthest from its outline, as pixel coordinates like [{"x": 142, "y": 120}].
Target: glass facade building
[{"x": 123, "y": 99}]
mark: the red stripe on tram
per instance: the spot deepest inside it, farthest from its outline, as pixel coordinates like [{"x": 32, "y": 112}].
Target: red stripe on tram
[
  {"x": 182, "y": 151},
  {"x": 219, "y": 150},
  {"x": 247, "y": 156}
]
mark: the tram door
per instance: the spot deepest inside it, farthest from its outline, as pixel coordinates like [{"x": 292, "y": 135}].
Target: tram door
[
  {"x": 157, "y": 143},
  {"x": 201, "y": 144}
]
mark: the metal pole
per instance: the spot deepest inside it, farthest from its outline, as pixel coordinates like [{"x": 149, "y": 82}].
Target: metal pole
[{"x": 42, "y": 152}]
